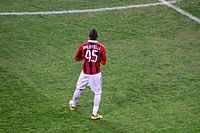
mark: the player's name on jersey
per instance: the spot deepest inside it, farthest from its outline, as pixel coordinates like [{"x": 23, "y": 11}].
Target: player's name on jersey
[{"x": 95, "y": 47}]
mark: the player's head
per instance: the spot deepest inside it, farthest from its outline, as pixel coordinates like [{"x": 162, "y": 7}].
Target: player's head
[{"x": 93, "y": 34}]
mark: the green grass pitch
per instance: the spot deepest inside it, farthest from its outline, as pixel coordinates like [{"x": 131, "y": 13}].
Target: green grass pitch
[{"x": 151, "y": 82}]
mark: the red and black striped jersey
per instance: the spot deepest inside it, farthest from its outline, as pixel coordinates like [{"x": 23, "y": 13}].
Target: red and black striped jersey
[{"x": 93, "y": 53}]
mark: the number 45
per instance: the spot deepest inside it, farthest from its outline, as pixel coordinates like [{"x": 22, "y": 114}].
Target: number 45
[{"x": 89, "y": 55}]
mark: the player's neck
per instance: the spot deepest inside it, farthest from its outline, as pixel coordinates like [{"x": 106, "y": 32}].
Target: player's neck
[{"x": 94, "y": 41}]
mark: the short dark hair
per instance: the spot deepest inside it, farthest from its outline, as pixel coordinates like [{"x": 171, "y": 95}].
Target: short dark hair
[{"x": 93, "y": 34}]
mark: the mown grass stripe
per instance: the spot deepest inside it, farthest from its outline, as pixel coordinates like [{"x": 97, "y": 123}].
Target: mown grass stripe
[
  {"x": 181, "y": 11},
  {"x": 84, "y": 11}
]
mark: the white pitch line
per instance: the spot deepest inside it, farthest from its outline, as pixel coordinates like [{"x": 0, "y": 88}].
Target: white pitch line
[
  {"x": 83, "y": 11},
  {"x": 181, "y": 11}
]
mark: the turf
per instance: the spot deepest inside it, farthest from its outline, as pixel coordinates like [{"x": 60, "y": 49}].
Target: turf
[
  {"x": 151, "y": 79},
  {"x": 191, "y": 6},
  {"x": 49, "y": 5}
]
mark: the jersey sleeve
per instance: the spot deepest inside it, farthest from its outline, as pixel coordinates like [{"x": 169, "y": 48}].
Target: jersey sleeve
[
  {"x": 103, "y": 55},
  {"x": 79, "y": 54}
]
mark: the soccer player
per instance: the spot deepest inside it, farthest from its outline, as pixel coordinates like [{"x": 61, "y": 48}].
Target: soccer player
[{"x": 93, "y": 53}]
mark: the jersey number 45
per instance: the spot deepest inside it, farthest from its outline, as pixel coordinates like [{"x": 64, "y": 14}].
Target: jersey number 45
[{"x": 91, "y": 55}]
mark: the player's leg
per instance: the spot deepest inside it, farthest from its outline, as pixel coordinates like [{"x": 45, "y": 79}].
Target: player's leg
[
  {"x": 96, "y": 86},
  {"x": 81, "y": 85},
  {"x": 97, "y": 100}
]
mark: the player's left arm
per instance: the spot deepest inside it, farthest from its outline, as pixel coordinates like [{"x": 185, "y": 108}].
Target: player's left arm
[
  {"x": 79, "y": 54},
  {"x": 103, "y": 55}
]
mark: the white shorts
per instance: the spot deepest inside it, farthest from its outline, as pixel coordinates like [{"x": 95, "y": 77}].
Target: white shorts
[{"x": 93, "y": 81}]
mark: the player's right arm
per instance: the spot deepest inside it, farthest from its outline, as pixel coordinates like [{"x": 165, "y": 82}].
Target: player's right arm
[{"x": 79, "y": 54}]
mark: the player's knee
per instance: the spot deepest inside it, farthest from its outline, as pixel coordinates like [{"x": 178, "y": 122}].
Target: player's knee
[
  {"x": 98, "y": 93},
  {"x": 81, "y": 88}
]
